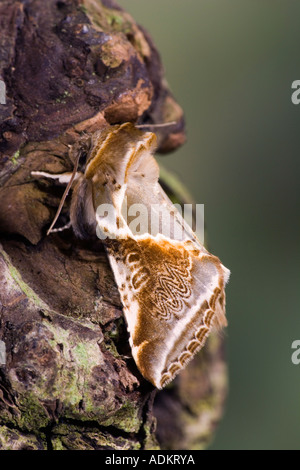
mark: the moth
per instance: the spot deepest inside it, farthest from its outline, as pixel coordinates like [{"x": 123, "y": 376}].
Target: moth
[{"x": 171, "y": 288}]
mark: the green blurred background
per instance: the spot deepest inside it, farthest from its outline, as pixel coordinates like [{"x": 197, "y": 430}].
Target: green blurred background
[{"x": 230, "y": 64}]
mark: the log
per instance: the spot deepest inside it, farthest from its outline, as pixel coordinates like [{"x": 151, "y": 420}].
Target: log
[{"x": 67, "y": 377}]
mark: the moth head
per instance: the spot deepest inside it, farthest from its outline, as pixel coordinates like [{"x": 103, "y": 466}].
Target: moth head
[{"x": 118, "y": 152}]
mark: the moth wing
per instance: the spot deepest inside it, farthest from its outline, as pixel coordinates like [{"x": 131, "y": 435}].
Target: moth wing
[
  {"x": 173, "y": 295},
  {"x": 143, "y": 187},
  {"x": 171, "y": 288}
]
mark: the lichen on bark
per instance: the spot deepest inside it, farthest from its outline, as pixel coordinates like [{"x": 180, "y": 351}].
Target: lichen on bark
[{"x": 69, "y": 381}]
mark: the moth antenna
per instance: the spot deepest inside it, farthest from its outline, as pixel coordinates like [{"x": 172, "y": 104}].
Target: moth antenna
[
  {"x": 66, "y": 192},
  {"x": 164, "y": 124}
]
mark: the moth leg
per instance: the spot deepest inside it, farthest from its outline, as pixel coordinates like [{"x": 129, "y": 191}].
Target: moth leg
[
  {"x": 62, "y": 178},
  {"x": 61, "y": 229}
]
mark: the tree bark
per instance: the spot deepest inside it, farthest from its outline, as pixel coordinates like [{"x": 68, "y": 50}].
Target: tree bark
[{"x": 67, "y": 378}]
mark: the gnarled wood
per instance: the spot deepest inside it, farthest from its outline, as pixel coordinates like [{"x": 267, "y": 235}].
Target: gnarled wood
[{"x": 69, "y": 381}]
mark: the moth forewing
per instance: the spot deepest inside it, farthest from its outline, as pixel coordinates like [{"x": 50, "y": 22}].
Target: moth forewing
[
  {"x": 172, "y": 290},
  {"x": 171, "y": 287}
]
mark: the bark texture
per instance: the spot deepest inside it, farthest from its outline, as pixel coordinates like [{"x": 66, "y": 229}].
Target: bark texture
[{"x": 67, "y": 378}]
